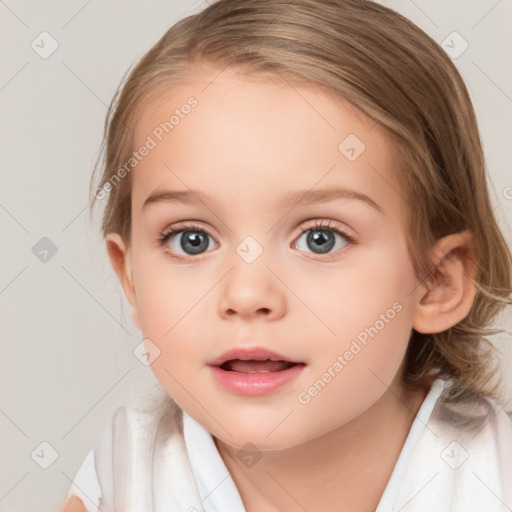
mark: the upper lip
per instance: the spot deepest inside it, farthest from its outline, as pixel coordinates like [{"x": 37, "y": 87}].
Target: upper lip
[{"x": 250, "y": 353}]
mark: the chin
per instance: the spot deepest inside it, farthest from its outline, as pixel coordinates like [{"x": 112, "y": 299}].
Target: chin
[
  {"x": 262, "y": 434},
  {"x": 259, "y": 442}
]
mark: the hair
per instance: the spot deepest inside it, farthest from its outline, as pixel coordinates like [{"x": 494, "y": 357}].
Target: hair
[{"x": 375, "y": 59}]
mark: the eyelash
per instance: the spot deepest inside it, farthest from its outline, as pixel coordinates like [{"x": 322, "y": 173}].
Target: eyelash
[
  {"x": 326, "y": 227},
  {"x": 164, "y": 237}
]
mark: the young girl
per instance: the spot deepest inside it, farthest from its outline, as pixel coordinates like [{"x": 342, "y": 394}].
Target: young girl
[{"x": 297, "y": 211}]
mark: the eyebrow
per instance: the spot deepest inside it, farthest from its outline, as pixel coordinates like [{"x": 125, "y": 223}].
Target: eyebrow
[{"x": 292, "y": 198}]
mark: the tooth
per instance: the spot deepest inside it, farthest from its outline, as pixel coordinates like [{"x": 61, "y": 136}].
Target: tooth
[{"x": 256, "y": 366}]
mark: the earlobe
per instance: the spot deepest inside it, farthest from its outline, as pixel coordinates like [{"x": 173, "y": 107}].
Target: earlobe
[
  {"x": 120, "y": 258},
  {"x": 448, "y": 296}
]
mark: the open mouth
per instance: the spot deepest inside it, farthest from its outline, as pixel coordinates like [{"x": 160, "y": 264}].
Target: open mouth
[
  {"x": 253, "y": 366},
  {"x": 254, "y": 372}
]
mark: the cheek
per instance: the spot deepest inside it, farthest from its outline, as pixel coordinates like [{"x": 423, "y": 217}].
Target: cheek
[
  {"x": 162, "y": 298},
  {"x": 368, "y": 309},
  {"x": 372, "y": 286},
  {"x": 168, "y": 309},
  {"x": 165, "y": 289}
]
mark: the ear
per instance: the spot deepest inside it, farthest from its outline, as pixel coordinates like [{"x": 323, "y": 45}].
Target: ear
[
  {"x": 449, "y": 294},
  {"x": 121, "y": 260}
]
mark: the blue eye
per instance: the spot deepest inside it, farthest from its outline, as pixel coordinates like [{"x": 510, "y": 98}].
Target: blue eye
[
  {"x": 321, "y": 239},
  {"x": 194, "y": 240}
]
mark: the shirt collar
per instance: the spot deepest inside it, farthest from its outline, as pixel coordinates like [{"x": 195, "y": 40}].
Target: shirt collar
[
  {"x": 216, "y": 487},
  {"x": 218, "y": 491}
]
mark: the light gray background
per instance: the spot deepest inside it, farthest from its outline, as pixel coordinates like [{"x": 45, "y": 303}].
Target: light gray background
[{"x": 67, "y": 359}]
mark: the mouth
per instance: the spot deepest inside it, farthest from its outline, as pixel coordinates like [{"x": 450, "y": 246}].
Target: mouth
[
  {"x": 253, "y": 372},
  {"x": 255, "y": 366},
  {"x": 253, "y": 360}
]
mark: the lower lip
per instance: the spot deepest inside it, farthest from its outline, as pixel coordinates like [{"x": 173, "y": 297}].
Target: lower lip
[{"x": 255, "y": 384}]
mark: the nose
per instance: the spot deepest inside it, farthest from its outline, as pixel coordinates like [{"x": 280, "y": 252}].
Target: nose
[{"x": 251, "y": 291}]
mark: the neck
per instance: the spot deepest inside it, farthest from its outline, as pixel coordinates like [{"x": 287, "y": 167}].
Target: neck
[{"x": 346, "y": 469}]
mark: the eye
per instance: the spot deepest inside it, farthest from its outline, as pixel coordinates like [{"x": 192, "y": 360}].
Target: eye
[
  {"x": 191, "y": 239},
  {"x": 321, "y": 238}
]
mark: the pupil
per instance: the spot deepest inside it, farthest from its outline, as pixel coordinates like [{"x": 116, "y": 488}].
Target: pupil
[{"x": 323, "y": 238}]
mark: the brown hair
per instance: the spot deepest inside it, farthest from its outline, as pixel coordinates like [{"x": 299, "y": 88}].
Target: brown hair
[{"x": 397, "y": 75}]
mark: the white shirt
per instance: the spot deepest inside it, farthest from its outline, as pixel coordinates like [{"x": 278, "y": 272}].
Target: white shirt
[{"x": 216, "y": 487}]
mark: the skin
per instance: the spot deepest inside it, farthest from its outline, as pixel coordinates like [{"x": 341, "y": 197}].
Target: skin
[
  {"x": 74, "y": 504},
  {"x": 247, "y": 142}
]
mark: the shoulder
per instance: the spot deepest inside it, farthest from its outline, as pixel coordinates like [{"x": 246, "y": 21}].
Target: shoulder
[
  {"x": 85, "y": 488},
  {"x": 142, "y": 447},
  {"x": 475, "y": 426},
  {"x": 474, "y": 418},
  {"x": 127, "y": 444},
  {"x": 463, "y": 457}
]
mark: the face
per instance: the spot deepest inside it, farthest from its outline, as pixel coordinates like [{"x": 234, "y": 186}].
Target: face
[{"x": 262, "y": 258}]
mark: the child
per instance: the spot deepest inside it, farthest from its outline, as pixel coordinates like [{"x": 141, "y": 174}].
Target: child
[{"x": 352, "y": 376}]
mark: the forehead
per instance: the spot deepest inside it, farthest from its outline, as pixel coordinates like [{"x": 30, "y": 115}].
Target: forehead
[{"x": 249, "y": 140}]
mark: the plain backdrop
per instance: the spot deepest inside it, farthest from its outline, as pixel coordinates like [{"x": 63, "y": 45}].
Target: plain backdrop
[{"x": 67, "y": 334}]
